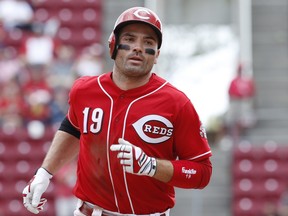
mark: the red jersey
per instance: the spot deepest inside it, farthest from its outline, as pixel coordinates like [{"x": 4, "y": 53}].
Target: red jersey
[{"x": 157, "y": 117}]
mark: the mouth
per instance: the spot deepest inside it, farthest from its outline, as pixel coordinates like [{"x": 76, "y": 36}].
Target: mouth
[{"x": 136, "y": 61}]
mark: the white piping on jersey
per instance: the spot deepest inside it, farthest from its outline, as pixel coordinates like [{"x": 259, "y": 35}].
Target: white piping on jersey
[
  {"x": 200, "y": 155},
  {"x": 125, "y": 118},
  {"x": 72, "y": 122},
  {"x": 123, "y": 134},
  {"x": 108, "y": 141}
]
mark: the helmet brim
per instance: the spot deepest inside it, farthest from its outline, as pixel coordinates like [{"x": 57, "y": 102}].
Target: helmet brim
[{"x": 155, "y": 29}]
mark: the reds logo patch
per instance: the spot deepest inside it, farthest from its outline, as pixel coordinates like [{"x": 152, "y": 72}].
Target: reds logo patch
[{"x": 154, "y": 128}]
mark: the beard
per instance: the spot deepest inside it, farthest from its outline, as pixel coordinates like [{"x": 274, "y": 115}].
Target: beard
[{"x": 135, "y": 70}]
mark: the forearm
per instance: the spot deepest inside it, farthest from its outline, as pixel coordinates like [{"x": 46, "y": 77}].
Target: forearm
[
  {"x": 63, "y": 149},
  {"x": 164, "y": 170}
]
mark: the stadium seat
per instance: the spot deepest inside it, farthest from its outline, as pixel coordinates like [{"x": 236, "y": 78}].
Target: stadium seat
[
  {"x": 259, "y": 177},
  {"x": 74, "y": 4},
  {"x": 80, "y": 38},
  {"x": 269, "y": 168},
  {"x": 6, "y": 190},
  {"x": 7, "y": 150},
  {"x": 14, "y": 207},
  {"x": 271, "y": 188},
  {"x": 245, "y": 187},
  {"x": 246, "y": 207},
  {"x": 244, "y": 168},
  {"x": 14, "y": 38},
  {"x": 264, "y": 153},
  {"x": 54, "y": 4},
  {"x": 15, "y": 170},
  {"x": 282, "y": 153},
  {"x": 78, "y": 18},
  {"x": 85, "y": 3},
  {"x": 7, "y": 171},
  {"x": 42, "y": 14}
]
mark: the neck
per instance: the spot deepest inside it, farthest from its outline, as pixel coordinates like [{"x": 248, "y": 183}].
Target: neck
[{"x": 125, "y": 82}]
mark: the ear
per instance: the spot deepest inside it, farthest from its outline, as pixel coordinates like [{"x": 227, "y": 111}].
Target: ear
[{"x": 156, "y": 56}]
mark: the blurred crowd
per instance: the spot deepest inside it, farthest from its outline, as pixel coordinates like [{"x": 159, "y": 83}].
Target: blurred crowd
[
  {"x": 35, "y": 78},
  {"x": 36, "y": 75}
]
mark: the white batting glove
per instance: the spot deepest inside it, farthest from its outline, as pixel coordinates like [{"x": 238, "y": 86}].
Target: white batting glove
[
  {"x": 33, "y": 191},
  {"x": 133, "y": 159}
]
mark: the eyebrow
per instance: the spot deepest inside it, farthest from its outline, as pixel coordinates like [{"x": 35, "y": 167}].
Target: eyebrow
[
  {"x": 132, "y": 35},
  {"x": 126, "y": 34}
]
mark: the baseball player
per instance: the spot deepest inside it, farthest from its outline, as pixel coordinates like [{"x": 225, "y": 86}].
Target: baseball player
[{"x": 136, "y": 136}]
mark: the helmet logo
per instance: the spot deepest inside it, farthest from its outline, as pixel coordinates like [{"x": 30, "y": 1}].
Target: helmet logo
[{"x": 136, "y": 13}]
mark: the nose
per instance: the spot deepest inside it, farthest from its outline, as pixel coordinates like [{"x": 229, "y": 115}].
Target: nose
[{"x": 138, "y": 47}]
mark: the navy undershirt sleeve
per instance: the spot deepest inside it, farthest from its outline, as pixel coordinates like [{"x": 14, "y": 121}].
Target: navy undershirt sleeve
[{"x": 69, "y": 128}]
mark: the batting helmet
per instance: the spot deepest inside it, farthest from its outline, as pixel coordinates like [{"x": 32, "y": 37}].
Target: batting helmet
[{"x": 134, "y": 15}]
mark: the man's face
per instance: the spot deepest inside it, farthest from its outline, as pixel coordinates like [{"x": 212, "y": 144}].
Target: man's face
[{"x": 136, "y": 57}]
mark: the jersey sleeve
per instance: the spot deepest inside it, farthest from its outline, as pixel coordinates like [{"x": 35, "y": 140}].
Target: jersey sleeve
[
  {"x": 71, "y": 115},
  {"x": 190, "y": 139}
]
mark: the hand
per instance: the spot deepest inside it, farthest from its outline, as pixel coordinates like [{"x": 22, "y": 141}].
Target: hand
[
  {"x": 33, "y": 191},
  {"x": 133, "y": 159}
]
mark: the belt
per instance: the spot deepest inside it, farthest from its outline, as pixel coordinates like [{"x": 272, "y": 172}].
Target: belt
[{"x": 87, "y": 210}]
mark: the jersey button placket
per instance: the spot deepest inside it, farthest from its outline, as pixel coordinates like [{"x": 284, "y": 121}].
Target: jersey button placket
[{"x": 122, "y": 96}]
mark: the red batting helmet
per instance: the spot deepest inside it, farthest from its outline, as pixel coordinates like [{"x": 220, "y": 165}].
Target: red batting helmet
[{"x": 133, "y": 15}]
